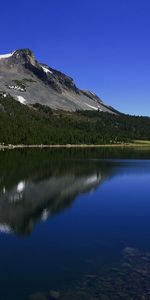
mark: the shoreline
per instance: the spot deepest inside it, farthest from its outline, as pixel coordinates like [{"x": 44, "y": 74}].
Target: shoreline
[{"x": 75, "y": 146}]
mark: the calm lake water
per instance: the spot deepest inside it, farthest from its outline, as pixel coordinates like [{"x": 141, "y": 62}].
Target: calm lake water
[{"x": 75, "y": 224}]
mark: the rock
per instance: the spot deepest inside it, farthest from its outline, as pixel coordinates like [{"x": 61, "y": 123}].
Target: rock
[
  {"x": 38, "y": 296},
  {"x": 54, "y": 294}
]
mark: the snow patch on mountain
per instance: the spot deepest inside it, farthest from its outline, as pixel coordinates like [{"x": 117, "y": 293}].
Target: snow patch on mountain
[
  {"x": 46, "y": 70},
  {"x": 93, "y": 94},
  {"x": 6, "y": 55},
  {"x": 16, "y": 87},
  {"x": 21, "y": 99},
  {"x": 96, "y": 108}
]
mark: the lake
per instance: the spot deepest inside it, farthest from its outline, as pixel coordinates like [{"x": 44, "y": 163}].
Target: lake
[{"x": 75, "y": 224}]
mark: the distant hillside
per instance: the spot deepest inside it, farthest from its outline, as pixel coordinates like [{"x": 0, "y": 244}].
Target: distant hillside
[{"x": 38, "y": 124}]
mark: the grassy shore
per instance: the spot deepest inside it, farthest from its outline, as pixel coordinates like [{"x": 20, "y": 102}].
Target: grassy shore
[
  {"x": 136, "y": 143},
  {"x": 142, "y": 142}
]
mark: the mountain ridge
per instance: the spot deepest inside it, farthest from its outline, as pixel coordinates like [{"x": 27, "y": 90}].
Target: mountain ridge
[{"x": 30, "y": 82}]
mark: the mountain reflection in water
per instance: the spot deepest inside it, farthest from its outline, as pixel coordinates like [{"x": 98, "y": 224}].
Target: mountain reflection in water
[
  {"x": 34, "y": 187},
  {"x": 27, "y": 196}
]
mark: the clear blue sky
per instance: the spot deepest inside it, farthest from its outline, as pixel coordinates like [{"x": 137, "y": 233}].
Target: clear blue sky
[{"x": 103, "y": 45}]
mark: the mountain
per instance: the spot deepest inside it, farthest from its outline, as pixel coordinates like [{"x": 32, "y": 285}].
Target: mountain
[
  {"x": 30, "y": 82},
  {"x": 42, "y": 106}
]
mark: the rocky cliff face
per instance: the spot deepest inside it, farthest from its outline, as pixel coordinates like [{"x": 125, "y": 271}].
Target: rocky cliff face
[{"x": 29, "y": 82}]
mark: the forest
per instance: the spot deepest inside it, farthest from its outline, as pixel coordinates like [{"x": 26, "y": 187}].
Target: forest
[{"x": 38, "y": 124}]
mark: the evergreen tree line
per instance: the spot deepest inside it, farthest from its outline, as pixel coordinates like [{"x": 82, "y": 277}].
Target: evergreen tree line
[{"x": 38, "y": 124}]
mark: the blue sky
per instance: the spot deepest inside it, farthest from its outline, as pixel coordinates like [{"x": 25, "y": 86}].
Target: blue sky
[{"x": 103, "y": 45}]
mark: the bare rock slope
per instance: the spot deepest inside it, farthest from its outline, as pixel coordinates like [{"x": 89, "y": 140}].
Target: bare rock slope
[{"x": 29, "y": 82}]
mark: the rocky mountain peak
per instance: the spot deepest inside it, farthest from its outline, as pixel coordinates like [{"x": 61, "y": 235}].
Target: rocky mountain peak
[{"x": 24, "y": 56}]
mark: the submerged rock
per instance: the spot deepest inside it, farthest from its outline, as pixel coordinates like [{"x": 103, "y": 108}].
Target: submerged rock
[
  {"x": 38, "y": 296},
  {"x": 128, "y": 281},
  {"x": 53, "y": 295}
]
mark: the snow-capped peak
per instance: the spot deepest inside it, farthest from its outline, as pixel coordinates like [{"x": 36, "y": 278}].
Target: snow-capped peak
[{"x": 6, "y": 55}]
